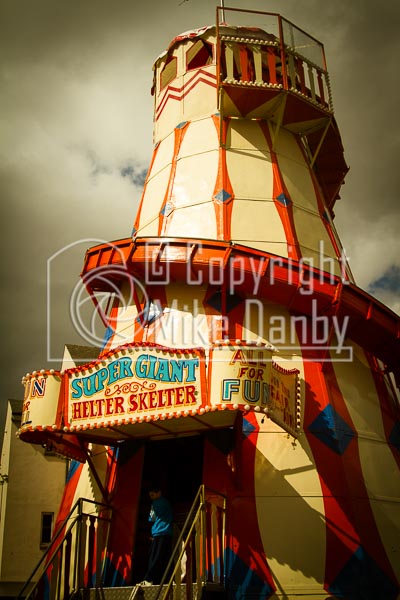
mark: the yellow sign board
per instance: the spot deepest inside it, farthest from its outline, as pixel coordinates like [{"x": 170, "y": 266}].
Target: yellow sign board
[
  {"x": 144, "y": 382},
  {"x": 137, "y": 381},
  {"x": 40, "y": 399},
  {"x": 247, "y": 375}
]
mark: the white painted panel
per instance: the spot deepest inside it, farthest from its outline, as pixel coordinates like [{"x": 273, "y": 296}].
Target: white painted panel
[
  {"x": 295, "y": 171},
  {"x": 250, "y": 173},
  {"x": 249, "y": 161},
  {"x": 194, "y": 180},
  {"x": 152, "y": 203},
  {"x": 312, "y": 233},
  {"x": 169, "y": 112},
  {"x": 316, "y": 259},
  {"x": 257, "y": 220},
  {"x": 149, "y": 230},
  {"x": 201, "y": 136},
  {"x": 200, "y": 97},
  {"x": 287, "y": 483},
  {"x": 165, "y": 152},
  {"x": 246, "y": 135},
  {"x": 193, "y": 221}
]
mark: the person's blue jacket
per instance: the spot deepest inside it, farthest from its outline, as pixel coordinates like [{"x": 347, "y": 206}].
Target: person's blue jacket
[{"x": 161, "y": 516}]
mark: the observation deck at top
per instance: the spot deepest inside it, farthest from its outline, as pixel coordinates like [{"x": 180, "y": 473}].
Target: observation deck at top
[{"x": 267, "y": 70}]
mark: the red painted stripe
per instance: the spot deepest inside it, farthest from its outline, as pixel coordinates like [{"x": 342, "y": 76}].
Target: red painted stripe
[
  {"x": 195, "y": 75},
  {"x": 342, "y": 539},
  {"x": 165, "y": 220},
  {"x": 184, "y": 90},
  {"x": 239, "y": 487},
  {"x": 349, "y": 517},
  {"x": 285, "y": 212},
  {"x": 136, "y": 224},
  {"x": 223, "y": 210},
  {"x": 112, "y": 323}
]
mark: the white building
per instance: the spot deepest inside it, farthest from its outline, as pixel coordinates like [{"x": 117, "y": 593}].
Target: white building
[{"x": 31, "y": 487}]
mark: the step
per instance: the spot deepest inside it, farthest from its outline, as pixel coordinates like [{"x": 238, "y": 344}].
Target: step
[{"x": 148, "y": 592}]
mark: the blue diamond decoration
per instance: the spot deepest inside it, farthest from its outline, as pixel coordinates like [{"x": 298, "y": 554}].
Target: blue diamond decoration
[
  {"x": 166, "y": 209},
  {"x": 107, "y": 335},
  {"x": 284, "y": 200},
  {"x": 394, "y": 437},
  {"x": 181, "y": 125},
  {"x": 223, "y": 196},
  {"x": 243, "y": 581},
  {"x": 247, "y": 427},
  {"x": 362, "y": 579},
  {"x": 73, "y": 467},
  {"x": 133, "y": 233},
  {"x": 332, "y": 430}
]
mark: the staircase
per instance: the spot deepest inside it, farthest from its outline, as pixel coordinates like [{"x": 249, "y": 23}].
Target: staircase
[
  {"x": 152, "y": 592},
  {"x": 73, "y": 566}
]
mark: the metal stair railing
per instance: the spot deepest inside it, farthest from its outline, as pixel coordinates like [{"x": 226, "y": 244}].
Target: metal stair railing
[
  {"x": 202, "y": 543},
  {"x": 76, "y": 556}
]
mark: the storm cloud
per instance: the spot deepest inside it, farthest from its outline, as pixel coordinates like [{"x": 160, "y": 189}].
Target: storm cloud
[{"x": 76, "y": 139}]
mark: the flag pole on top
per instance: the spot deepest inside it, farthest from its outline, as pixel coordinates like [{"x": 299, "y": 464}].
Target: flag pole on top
[{"x": 223, "y": 11}]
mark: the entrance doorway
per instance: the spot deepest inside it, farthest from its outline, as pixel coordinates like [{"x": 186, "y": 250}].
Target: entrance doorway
[{"x": 176, "y": 465}]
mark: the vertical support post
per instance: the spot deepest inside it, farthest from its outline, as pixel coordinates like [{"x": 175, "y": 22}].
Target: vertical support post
[
  {"x": 59, "y": 572},
  {"x": 189, "y": 569},
  {"x": 82, "y": 552},
  {"x": 199, "y": 544},
  {"x": 229, "y": 60},
  {"x": 222, "y": 11},
  {"x": 300, "y": 73},
  {"x": 257, "y": 62},
  {"x": 80, "y": 566},
  {"x": 203, "y": 535},
  {"x": 271, "y": 58},
  {"x": 100, "y": 547},
  {"x": 283, "y": 55},
  {"x": 292, "y": 71},
  {"x": 321, "y": 87},
  {"x": 215, "y": 544},
  {"x": 221, "y": 544},
  {"x": 244, "y": 64},
  {"x": 67, "y": 565},
  {"x": 91, "y": 545},
  {"x": 178, "y": 584},
  {"x": 312, "y": 82}
]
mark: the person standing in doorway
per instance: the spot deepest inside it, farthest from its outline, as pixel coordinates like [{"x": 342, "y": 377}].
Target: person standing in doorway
[{"x": 161, "y": 518}]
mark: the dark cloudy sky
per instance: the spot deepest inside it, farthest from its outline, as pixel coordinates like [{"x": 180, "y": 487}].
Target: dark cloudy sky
[{"x": 76, "y": 140}]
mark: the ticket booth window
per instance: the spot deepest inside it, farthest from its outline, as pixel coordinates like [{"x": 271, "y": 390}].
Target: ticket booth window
[{"x": 46, "y": 529}]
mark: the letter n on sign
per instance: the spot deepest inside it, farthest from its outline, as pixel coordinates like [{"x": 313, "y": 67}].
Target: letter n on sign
[{"x": 38, "y": 388}]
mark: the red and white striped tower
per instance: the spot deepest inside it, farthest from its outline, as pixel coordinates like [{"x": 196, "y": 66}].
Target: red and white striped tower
[{"x": 234, "y": 257}]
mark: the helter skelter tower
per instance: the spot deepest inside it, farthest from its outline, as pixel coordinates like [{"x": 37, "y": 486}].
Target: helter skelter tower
[{"x": 240, "y": 356}]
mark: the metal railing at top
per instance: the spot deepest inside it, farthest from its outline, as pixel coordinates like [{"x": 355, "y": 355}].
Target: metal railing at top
[
  {"x": 271, "y": 52},
  {"x": 75, "y": 558},
  {"x": 198, "y": 555}
]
